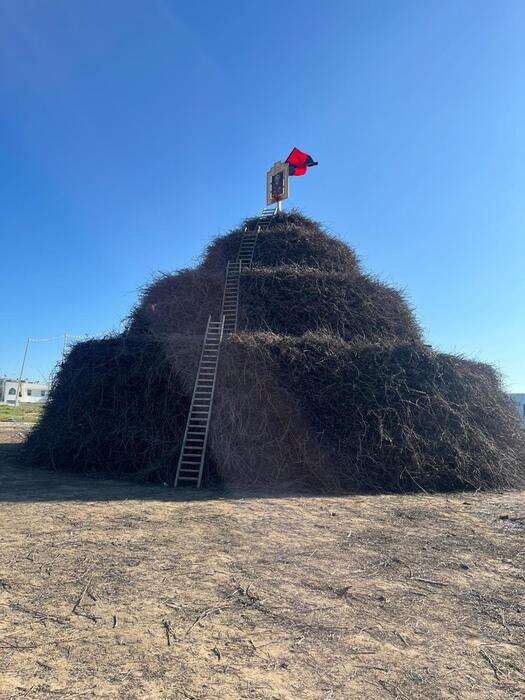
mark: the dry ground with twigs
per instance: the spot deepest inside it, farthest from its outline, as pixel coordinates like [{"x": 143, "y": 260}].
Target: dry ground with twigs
[{"x": 113, "y": 590}]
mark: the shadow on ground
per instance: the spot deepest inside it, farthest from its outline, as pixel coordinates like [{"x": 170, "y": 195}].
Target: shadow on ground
[{"x": 19, "y": 482}]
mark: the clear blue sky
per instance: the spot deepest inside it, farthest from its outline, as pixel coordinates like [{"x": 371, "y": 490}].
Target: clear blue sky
[{"x": 132, "y": 131}]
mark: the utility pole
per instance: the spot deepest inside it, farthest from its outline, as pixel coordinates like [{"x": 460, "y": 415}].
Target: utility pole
[
  {"x": 21, "y": 372},
  {"x": 65, "y": 344}
]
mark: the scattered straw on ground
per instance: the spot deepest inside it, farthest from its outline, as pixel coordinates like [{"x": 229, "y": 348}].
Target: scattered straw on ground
[{"x": 115, "y": 590}]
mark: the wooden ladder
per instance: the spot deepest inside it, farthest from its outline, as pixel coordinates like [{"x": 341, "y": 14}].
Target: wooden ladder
[
  {"x": 193, "y": 451},
  {"x": 230, "y": 298},
  {"x": 191, "y": 459}
]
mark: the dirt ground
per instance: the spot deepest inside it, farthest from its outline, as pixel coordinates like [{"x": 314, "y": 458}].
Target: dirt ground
[{"x": 113, "y": 590}]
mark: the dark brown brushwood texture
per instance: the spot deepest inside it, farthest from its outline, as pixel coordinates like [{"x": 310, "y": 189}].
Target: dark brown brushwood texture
[{"x": 327, "y": 386}]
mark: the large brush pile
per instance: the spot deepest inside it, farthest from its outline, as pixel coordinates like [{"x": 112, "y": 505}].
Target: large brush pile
[
  {"x": 327, "y": 385},
  {"x": 117, "y": 405}
]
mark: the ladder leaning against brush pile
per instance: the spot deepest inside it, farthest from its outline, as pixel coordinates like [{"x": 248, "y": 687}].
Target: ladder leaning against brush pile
[
  {"x": 193, "y": 451},
  {"x": 230, "y": 299},
  {"x": 191, "y": 459}
]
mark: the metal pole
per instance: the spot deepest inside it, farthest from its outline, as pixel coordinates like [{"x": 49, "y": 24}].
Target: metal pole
[
  {"x": 279, "y": 205},
  {"x": 21, "y": 372},
  {"x": 64, "y": 346}
]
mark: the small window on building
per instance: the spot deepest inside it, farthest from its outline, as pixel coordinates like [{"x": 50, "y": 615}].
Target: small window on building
[
  {"x": 29, "y": 392},
  {"x": 12, "y": 391}
]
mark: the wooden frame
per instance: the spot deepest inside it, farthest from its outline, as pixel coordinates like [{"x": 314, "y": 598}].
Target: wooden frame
[{"x": 277, "y": 183}]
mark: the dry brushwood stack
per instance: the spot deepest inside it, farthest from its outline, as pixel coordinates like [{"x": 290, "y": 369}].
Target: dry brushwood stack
[{"x": 327, "y": 385}]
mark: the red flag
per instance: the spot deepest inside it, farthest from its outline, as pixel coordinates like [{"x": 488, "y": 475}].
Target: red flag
[{"x": 298, "y": 162}]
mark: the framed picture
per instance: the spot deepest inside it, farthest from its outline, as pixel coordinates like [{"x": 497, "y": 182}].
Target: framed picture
[{"x": 277, "y": 183}]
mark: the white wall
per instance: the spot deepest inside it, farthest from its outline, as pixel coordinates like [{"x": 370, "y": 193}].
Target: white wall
[{"x": 30, "y": 392}]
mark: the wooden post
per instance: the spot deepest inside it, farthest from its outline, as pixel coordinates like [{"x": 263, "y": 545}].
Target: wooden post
[{"x": 21, "y": 372}]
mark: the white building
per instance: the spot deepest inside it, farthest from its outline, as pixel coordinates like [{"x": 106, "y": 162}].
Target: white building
[
  {"x": 519, "y": 400},
  {"x": 30, "y": 392}
]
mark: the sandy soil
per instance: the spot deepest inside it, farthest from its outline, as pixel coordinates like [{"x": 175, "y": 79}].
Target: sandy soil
[{"x": 113, "y": 590}]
